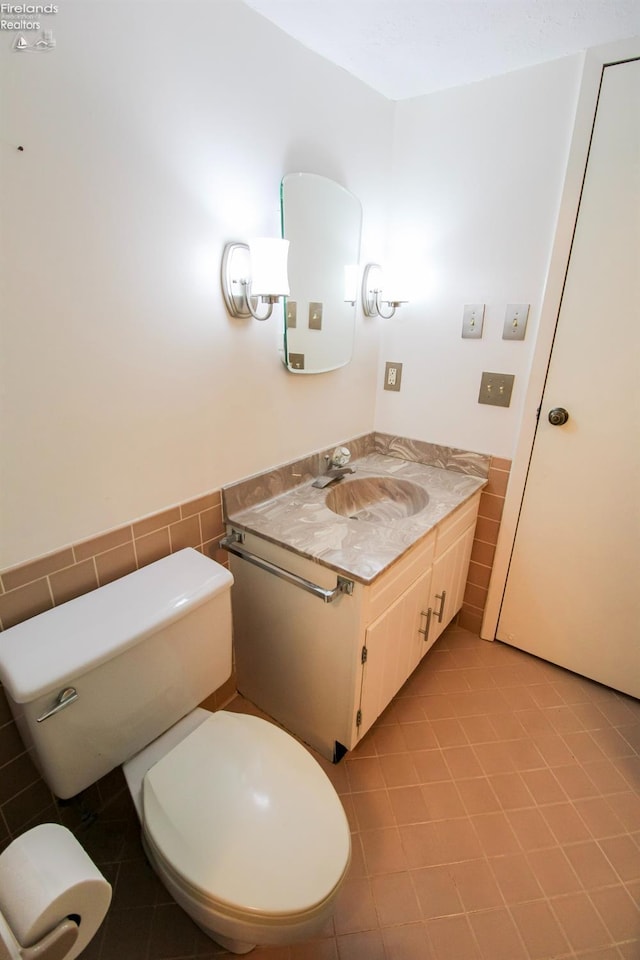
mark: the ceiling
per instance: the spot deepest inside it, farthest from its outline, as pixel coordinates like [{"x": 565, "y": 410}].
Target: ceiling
[{"x": 406, "y": 48}]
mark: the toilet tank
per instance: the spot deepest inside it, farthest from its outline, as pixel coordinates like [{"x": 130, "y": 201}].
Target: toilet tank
[{"x": 140, "y": 653}]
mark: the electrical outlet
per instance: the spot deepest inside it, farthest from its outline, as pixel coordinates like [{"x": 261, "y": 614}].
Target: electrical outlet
[
  {"x": 495, "y": 389},
  {"x": 392, "y": 376}
]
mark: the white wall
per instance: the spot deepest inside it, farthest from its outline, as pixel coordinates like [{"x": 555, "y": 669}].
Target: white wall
[
  {"x": 477, "y": 179},
  {"x": 153, "y": 134}
]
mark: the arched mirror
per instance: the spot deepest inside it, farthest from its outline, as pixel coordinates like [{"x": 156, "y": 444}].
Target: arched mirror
[{"x": 322, "y": 220}]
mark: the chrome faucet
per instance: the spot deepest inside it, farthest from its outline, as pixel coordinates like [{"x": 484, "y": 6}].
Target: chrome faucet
[{"x": 336, "y": 467}]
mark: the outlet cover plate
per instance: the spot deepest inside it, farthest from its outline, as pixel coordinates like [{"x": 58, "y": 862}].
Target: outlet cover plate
[
  {"x": 515, "y": 321},
  {"x": 392, "y": 375},
  {"x": 496, "y": 388},
  {"x": 472, "y": 321}
]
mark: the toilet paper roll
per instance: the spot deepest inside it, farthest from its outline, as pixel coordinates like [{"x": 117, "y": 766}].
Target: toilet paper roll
[{"x": 45, "y": 877}]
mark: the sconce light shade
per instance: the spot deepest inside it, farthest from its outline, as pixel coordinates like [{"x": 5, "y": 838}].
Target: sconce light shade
[
  {"x": 269, "y": 267},
  {"x": 372, "y": 294},
  {"x": 252, "y": 272}
]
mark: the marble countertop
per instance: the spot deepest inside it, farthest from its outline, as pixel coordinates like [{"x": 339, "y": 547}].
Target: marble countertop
[{"x": 361, "y": 550}]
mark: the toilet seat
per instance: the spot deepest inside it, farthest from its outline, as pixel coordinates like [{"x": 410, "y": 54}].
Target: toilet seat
[{"x": 244, "y": 819}]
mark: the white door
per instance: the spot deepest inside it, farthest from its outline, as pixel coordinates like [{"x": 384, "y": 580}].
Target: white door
[{"x": 573, "y": 589}]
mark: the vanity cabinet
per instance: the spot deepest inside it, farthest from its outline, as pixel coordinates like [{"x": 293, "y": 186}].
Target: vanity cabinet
[
  {"x": 450, "y": 567},
  {"x": 326, "y": 671}
]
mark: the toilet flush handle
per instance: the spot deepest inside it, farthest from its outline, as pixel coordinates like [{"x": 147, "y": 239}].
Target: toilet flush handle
[{"x": 64, "y": 699}]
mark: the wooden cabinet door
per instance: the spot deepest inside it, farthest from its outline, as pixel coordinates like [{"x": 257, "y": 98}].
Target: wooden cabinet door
[
  {"x": 447, "y": 584},
  {"x": 393, "y": 647}
]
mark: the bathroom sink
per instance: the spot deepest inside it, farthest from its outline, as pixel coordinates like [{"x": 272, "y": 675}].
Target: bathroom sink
[{"x": 377, "y": 499}]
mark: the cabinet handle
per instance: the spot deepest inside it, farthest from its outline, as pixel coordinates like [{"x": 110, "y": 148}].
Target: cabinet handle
[
  {"x": 441, "y": 597},
  {"x": 427, "y": 614}
]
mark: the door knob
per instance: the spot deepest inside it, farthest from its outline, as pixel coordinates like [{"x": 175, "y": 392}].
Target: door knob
[{"x": 558, "y": 416}]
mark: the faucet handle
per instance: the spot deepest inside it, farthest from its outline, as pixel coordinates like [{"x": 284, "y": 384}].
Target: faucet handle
[{"x": 340, "y": 457}]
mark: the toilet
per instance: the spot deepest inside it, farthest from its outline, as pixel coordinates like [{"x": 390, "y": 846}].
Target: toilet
[{"x": 238, "y": 820}]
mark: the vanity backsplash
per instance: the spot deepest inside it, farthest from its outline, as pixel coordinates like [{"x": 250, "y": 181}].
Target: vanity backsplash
[{"x": 271, "y": 483}]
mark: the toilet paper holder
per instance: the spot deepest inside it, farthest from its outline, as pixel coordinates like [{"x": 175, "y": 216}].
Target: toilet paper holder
[
  {"x": 55, "y": 945},
  {"x": 53, "y": 898}
]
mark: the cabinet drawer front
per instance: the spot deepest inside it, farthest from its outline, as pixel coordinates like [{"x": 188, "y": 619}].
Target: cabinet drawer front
[
  {"x": 395, "y": 581},
  {"x": 455, "y": 525}
]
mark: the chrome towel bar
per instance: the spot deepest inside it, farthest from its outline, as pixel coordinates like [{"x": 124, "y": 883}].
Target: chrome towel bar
[{"x": 233, "y": 543}]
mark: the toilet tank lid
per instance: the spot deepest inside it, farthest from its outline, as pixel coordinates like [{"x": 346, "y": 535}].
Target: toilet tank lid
[{"x": 44, "y": 653}]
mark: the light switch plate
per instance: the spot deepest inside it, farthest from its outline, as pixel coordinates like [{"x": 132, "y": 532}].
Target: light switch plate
[
  {"x": 292, "y": 313},
  {"x": 472, "y": 321},
  {"x": 496, "y": 388},
  {"x": 315, "y": 316},
  {"x": 515, "y": 321}
]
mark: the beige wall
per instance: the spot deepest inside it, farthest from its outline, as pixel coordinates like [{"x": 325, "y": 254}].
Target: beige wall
[
  {"x": 475, "y": 193},
  {"x": 153, "y": 134}
]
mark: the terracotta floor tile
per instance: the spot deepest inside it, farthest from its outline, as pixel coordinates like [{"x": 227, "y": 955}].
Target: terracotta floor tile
[
  {"x": 478, "y": 796},
  {"x": 437, "y": 892},
  {"x": 515, "y": 878},
  {"x": 408, "y": 804},
  {"x": 497, "y": 935},
  {"x": 591, "y": 865},
  {"x": 606, "y": 776},
  {"x": 453, "y": 937},
  {"x": 364, "y": 773},
  {"x": 531, "y": 829},
  {"x": 553, "y": 871},
  {"x": 539, "y": 929},
  {"x": 543, "y": 786},
  {"x": 618, "y": 912},
  {"x": 580, "y": 922},
  {"x": 355, "y": 910},
  {"x": 430, "y": 765},
  {"x": 495, "y": 834},
  {"x": 361, "y": 946},
  {"x": 421, "y": 845},
  {"x": 462, "y": 762},
  {"x": 382, "y": 851},
  {"x": 479, "y": 729},
  {"x": 458, "y": 840},
  {"x": 407, "y": 942},
  {"x": 389, "y": 739},
  {"x": 575, "y": 782},
  {"x": 624, "y": 855},
  {"x": 495, "y": 810},
  {"x": 476, "y": 884},
  {"x": 398, "y": 770},
  {"x": 511, "y": 790},
  {"x": 442, "y": 800},
  {"x": 373, "y": 809},
  {"x": 418, "y": 735},
  {"x": 493, "y": 757},
  {"x": 395, "y": 899},
  {"x": 449, "y": 733}
]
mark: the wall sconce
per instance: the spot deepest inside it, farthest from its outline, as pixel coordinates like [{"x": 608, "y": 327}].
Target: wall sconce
[
  {"x": 372, "y": 299},
  {"x": 256, "y": 271}
]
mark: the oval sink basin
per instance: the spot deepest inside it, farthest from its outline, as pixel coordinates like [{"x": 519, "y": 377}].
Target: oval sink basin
[{"x": 376, "y": 499}]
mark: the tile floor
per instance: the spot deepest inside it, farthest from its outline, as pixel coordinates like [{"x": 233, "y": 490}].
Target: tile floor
[{"x": 495, "y": 809}]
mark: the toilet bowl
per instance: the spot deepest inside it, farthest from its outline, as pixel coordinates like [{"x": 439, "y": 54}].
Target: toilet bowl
[
  {"x": 244, "y": 828},
  {"x": 238, "y": 819}
]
